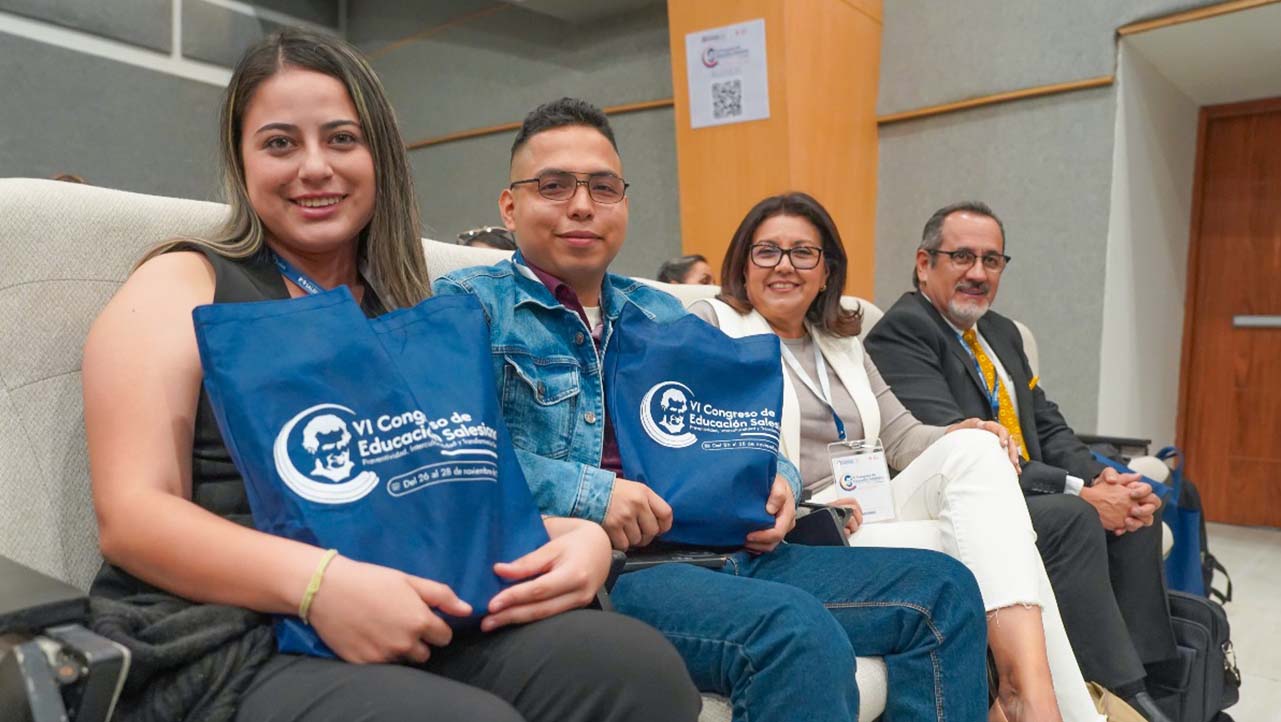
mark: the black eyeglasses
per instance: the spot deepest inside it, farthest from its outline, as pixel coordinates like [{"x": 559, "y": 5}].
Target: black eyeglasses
[
  {"x": 963, "y": 259},
  {"x": 562, "y": 185},
  {"x": 768, "y": 255}
]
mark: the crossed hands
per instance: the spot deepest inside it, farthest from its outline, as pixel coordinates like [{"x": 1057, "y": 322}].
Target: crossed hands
[
  {"x": 370, "y": 614},
  {"x": 1124, "y": 503}
]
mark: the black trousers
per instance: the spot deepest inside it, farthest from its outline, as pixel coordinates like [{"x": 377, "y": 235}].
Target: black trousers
[
  {"x": 581, "y": 666},
  {"x": 1110, "y": 589}
]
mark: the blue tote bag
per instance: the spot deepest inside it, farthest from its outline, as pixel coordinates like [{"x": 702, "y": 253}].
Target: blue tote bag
[
  {"x": 380, "y": 438},
  {"x": 696, "y": 415},
  {"x": 1183, "y": 565}
]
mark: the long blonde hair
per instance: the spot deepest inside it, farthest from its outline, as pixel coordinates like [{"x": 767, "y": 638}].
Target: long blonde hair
[{"x": 389, "y": 248}]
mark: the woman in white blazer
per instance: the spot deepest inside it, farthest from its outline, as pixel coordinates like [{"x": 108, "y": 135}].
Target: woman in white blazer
[{"x": 783, "y": 274}]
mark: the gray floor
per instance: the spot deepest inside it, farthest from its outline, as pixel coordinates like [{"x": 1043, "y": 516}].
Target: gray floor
[{"x": 1253, "y": 556}]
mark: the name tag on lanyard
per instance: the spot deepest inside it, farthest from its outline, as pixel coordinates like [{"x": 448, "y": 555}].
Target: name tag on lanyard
[
  {"x": 860, "y": 472},
  {"x": 859, "y": 469}
]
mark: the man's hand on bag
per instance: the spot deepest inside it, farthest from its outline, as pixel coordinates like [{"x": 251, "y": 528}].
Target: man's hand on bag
[
  {"x": 369, "y": 614},
  {"x": 566, "y": 574},
  {"x": 1113, "y": 502},
  {"x": 635, "y": 515},
  {"x": 856, "y": 518},
  {"x": 782, "y": 507}
]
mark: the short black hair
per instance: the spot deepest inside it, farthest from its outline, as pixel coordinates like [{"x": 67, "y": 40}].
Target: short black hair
[
  {"x": 562, "y": 113},
  {"x": 932, "y": 235}
]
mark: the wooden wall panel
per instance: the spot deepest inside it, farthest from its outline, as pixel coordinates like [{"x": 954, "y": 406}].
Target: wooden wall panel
[{"x": 821, "y": 134}]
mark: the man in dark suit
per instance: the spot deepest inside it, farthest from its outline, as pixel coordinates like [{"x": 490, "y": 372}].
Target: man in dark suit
[{"x": 948, "y": 358}]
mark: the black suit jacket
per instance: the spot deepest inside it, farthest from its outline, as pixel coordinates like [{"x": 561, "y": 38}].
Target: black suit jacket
[{"x": 932, "y": 373}]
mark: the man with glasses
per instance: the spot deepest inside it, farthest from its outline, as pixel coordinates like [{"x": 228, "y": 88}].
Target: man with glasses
[
  {"x": 948, "y": 357},
  {"x": 776, "y": 629}
]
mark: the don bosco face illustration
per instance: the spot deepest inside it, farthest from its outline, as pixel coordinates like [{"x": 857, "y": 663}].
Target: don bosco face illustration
[
  {"x": 674, "y": 406},
  {"x": 326, "y": 437}
]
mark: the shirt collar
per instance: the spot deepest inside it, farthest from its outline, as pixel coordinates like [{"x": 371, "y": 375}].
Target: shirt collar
[{"x": 560, "y": 290}]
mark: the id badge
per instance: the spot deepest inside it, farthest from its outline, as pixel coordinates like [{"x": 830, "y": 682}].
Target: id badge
[{"x": 860, "y": 472}]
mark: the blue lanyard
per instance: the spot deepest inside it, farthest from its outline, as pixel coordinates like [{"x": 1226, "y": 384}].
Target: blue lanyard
[
  {"x": 300, "y": 279},
  {"x": 993, "y": 394},
  {"x": 823, "y": 390}
]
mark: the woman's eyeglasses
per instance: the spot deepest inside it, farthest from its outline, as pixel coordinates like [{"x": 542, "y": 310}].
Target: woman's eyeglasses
[{"x": 768, "y": 255}]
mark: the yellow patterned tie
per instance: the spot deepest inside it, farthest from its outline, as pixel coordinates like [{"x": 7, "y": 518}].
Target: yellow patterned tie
[{"x": 1005, "y": 408}]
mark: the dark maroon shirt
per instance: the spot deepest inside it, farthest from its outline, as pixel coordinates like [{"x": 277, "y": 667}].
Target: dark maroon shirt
[{"x": 610, "y": 459}]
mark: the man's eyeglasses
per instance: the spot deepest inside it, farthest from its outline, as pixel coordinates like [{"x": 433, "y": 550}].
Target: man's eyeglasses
[
  {"x": 768, "y": 255},
  {"x": 963, "y": 259},
  {"x": 562, "y": 185}
]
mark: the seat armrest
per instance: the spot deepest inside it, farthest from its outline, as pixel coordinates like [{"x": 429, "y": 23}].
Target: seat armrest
[
  {"x": 616, "y": 561},
  {"x": 1128, "y": 446},
  {"x": 31, "y": 601}
]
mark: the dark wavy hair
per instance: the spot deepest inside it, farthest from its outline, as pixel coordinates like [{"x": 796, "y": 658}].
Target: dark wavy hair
[{"x": 826, "y": 311}]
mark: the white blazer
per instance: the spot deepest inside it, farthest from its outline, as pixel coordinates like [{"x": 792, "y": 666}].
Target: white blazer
[{"x": 843, "y": 355}]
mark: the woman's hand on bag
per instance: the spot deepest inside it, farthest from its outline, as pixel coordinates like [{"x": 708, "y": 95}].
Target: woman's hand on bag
[
  {"x": 782, "y": 507},
  {"x": 370, "y": 614},
  {"x": 992, "y": 427},
  {"x": 856, "y": 518},
  {"x": 567, "y": 572},
  {"x": 635, "y": 515}
]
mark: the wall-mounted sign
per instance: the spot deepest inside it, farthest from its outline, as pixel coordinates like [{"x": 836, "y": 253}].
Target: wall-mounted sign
[{"x": 728, "y": 74}]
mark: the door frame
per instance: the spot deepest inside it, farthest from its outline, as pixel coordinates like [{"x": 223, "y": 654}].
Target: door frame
[{"x": 1208, "y": 113}]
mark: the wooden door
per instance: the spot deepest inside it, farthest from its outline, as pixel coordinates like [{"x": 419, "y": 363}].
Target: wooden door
[{"x": 1230, "y": 400}]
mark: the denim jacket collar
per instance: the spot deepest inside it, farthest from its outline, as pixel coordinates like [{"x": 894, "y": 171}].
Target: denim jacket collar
[{"x": 615, "y": 292}]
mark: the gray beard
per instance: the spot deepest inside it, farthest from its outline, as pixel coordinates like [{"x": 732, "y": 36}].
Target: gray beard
[{"x": 966, "y": 315}]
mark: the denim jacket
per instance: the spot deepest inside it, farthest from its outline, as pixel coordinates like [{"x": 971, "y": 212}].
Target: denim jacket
[{"x": 549, "y": 379}]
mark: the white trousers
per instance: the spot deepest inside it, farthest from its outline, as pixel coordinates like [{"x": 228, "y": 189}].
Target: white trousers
[{"x": 962, "y": 497}]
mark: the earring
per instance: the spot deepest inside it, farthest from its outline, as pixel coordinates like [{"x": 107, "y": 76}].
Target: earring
[{"x": 824, "y": 288}]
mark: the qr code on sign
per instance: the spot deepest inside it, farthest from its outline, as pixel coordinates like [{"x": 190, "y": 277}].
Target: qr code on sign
[{"x": 727, "y": 99}]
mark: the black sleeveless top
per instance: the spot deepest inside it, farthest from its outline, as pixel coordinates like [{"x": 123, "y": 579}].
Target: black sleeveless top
[{"x": 216, "y": 484}]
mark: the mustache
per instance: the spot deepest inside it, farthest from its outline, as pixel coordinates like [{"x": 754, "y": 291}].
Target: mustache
[{"x": 981, "y": 287}]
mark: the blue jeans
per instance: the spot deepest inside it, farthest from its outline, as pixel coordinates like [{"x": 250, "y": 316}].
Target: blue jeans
[{"x": 778, "y": 633}]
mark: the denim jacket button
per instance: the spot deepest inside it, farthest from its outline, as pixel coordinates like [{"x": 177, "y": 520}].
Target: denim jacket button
[
  {"x": 579, "y": 338},
  {"x": 589, "y": 417}
]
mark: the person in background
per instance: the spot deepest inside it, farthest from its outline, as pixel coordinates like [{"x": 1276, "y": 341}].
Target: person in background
[
  {"x": 497, "y": 238},
  {"x": 691, "y": 269},
  {"x": 949, "y": 357}
]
